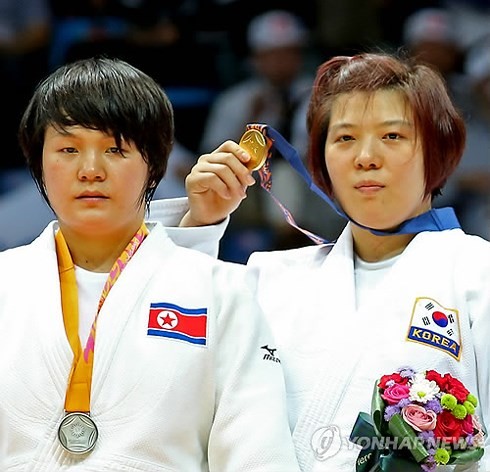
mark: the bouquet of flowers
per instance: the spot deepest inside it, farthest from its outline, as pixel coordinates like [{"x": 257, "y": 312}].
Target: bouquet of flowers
[{"x": 420, "y": 420}]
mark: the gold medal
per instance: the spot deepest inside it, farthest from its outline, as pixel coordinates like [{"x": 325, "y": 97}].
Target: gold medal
[{"x": 254, "y": 143}]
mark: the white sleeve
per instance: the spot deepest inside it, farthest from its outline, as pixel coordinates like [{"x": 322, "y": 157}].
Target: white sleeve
[
  {"x": 3, "y": 441},
  {"x": 170, "y": 211},
  {"x": 250, "y": 431},
  {"x": 479, "y": 308}
]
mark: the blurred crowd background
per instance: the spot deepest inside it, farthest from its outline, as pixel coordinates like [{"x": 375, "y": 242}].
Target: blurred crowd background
[{"x": 226, "y": 63}]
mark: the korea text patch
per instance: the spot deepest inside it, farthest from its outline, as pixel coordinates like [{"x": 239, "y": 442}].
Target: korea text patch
[{"x": 435, "y": 326}]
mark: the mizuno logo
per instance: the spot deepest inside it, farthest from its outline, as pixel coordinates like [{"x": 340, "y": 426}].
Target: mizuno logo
[{"x": 270, "y": 355}]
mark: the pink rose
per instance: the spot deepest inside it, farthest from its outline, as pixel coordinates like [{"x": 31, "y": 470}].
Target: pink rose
[
  {"x": 392, "y": 395},
  {"x": 419, "y": 418}
]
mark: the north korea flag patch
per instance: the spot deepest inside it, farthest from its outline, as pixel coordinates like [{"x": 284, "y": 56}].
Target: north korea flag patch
[{"x": 172, "y": 321}]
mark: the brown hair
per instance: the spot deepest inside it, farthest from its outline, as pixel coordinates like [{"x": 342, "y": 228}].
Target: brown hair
[{"x": 439, "y": 125}]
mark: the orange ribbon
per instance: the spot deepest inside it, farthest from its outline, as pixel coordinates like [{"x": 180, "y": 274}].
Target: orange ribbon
[{"x": 80, "y": 380}]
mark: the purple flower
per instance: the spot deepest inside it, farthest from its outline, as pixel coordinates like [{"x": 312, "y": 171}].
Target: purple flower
[
  {"x": 406, "y": 372},
  {"x": 429, "y": 464},
  {"x": 404, "y": 402},
  {"x": 391, "y": 410},
  {"x": 390, "y": 383},
  {"x": 429, "y": 439},
  {"x": 434, "y": 405},
  {"x": 426, "y": 435}
]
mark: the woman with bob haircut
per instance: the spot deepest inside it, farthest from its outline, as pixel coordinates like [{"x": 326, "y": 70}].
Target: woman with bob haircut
[
  {"x": 392, "y": 291},
  {"x": 120, "y": 348}
]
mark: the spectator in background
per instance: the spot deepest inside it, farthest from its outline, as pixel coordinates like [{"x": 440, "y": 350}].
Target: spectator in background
[
  {"x": 275, "y": 93},
  {"x": 339, "y": 31},
  {"x": 275, "y": 87},
  {"x": 435, "y": 36},
  {"x": 149, "y": 34},
  {"x": 89, "y": 23},
  {"x": 25, "y": 35},
  {"x": 180, "y": 162},
  {"x": 472, "y": 18},
  {"x": 430, "y": 35},
  {"x": 472, "y": 178},
  {"x": 132, "y": 29},
  {"x": 23, "y": 215},
  {"x": 25, "y": 27}
]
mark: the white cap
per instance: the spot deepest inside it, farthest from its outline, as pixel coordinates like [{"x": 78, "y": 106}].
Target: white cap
[
  {"x": 477, "y": 63},
  {"x": 429, "y": 24},
  {"x": 275, "y": 29}
]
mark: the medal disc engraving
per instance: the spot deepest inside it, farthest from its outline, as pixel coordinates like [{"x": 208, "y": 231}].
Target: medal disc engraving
[
  {"x": 77, "y": 433},
  {"x": 254, "y": 143}
]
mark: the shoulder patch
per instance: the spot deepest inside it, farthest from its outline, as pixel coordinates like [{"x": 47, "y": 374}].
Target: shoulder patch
[
  {"x": 175, "y": 322},
  {"x": 435, "y": 326}
]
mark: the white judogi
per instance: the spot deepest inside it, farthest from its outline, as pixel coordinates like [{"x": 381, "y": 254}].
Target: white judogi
[
  {"x": 160, "y": 404},
  {"x": 333, "y": 352}
]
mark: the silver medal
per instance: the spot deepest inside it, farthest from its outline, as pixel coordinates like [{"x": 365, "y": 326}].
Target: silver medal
[{"x": 77, "y": 433}]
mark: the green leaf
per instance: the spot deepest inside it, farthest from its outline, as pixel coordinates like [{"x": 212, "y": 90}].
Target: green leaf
[
  {"x": 466, "y": 456},
  {"x": 399, "y": 429},
  {"x": 378, "y": 411}
]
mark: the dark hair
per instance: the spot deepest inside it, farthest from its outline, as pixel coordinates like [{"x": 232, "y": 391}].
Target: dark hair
[
  {"x": 439, "y": 126},
  {"x": 103, "y": 94}
]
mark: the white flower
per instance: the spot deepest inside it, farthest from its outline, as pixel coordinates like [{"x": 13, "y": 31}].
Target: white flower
[{"x": 423, "y": 390}]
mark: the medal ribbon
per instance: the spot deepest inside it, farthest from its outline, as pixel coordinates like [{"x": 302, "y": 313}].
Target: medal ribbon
[
  {"x": 436, "y": 219},
  {"x": 265, "y": 174},
  {"x": 80, "y": 380}
]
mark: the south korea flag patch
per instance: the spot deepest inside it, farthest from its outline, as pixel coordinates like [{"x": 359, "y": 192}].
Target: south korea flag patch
[{"x": 436, "y": 326}]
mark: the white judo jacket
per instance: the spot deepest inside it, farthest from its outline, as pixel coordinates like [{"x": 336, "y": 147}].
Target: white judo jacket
[
  {"x": 333, "y": 352},
  {"x": 160, "y": 403}
]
